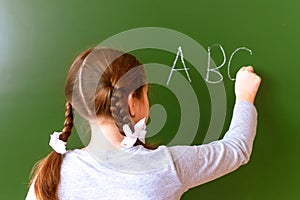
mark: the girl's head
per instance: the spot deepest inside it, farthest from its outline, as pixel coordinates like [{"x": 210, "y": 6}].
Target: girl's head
[
  {"x": 107, "y": 83},
  {"x": 101, "y": 83}
]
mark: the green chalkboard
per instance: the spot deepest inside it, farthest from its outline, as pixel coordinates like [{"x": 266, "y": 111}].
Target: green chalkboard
[{"x": 39, "y": 39}]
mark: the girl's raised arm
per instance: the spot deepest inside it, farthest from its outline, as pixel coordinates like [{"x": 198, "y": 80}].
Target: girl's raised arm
[{"x": 196, "y": 165}]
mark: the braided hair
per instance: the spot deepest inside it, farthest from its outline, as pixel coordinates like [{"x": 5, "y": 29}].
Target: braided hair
[{"x": 68, "y": 124}]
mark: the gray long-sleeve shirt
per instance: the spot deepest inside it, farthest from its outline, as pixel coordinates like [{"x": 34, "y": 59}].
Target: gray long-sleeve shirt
[{"x": 161, "y": 174}]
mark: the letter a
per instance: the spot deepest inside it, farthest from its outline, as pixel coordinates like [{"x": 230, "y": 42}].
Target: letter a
[{"x": 179, "y": 52}]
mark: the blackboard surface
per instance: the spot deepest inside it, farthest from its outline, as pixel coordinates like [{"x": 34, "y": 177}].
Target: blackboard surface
[{"x": 39, "y": 39}]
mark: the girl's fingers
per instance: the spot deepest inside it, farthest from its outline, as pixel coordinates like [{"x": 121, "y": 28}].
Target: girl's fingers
[
  {"x": 247, "y": 68},
  {"x": 250, "y": 69},
  {"x": 242, "y": 68}
]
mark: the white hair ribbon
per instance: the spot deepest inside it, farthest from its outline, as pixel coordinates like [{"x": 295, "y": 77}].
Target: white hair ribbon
[
  {"x": 57, "y": 145},
  {"x": 139, "y": 133}
]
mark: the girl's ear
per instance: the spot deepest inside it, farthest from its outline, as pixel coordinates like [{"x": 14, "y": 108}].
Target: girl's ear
[{"x": 131, "y": 104}]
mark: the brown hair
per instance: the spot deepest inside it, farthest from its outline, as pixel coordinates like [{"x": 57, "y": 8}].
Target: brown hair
[{"x": 110, "y": 100}]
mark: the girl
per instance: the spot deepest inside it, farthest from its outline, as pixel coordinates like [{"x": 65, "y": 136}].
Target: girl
[{"x": 108, "y": 89}]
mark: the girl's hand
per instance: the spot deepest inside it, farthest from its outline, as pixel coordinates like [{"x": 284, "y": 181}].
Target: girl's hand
[{"x": 246, "y": 85}]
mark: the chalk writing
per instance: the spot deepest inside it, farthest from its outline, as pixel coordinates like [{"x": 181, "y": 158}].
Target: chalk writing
[
  {"x": 179, "y": 53},
  {"x": 215, "y": 70},
  {"x": 229, "y": 62},
  {"x": 209, "y": 68}
]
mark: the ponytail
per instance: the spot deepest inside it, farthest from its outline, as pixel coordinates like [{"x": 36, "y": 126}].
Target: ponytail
[{"x": 46, "y": 173}]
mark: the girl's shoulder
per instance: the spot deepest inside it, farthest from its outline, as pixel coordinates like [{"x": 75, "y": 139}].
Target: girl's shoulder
[{"x": 136, "y": 159}]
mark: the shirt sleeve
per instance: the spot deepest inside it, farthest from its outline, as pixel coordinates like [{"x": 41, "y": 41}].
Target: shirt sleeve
[{"x": 196, "y": 165}]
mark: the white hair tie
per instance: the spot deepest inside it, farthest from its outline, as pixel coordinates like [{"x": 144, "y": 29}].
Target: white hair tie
[
  {"x": 139, "y": 133},
  {"x": 57, "y": 145}
]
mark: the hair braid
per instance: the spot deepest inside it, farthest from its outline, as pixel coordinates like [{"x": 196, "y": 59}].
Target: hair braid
[
  {"x": 46, "y": 173},
  {"x": 46, "y": 186},
  {"x": 119, "y": 110},
  {"x": 68, "y": 124}
]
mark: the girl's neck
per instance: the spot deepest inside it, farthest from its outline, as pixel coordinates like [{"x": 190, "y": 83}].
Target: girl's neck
[{"x": 105, "y": 135}]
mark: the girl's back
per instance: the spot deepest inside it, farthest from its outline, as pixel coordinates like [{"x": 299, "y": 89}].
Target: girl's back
[{"x": 135, "y": 173}]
